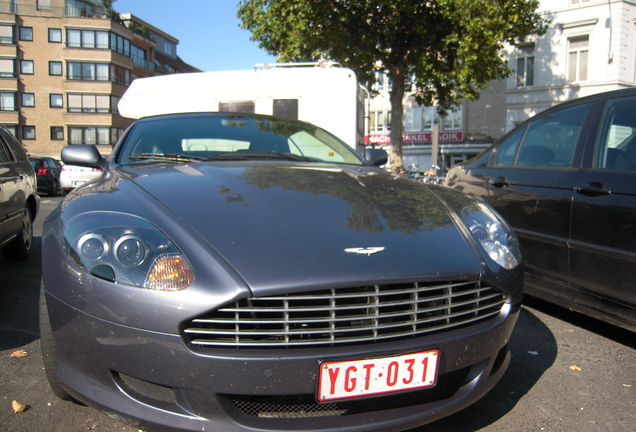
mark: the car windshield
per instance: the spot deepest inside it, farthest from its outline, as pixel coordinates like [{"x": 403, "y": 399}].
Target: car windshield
[{"x": 227, "y": 137}]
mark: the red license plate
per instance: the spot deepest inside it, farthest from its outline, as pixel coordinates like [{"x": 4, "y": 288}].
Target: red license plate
[{"x": 355, "y": 378}]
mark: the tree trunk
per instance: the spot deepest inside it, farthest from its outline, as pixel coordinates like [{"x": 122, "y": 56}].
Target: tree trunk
[{"x": 397, "y": 113}]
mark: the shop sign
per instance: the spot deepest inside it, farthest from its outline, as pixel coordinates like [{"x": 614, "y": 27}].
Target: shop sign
[{"x": 415, "y": 138}]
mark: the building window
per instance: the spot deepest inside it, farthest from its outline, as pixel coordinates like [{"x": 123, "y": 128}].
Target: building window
[
  {"x": 7, "y": 68},
  {"x": 453, "y": 120},
  {"x": 422, "y": 119},
  {"x": 87, "y": 71},
  {"x": 525, "y": 65},
  {"x": 382, "y": 82},
  {"x": 413, "y": 119},
  {"x": 55, "y": 35},
  {"x": 379, "y": 121},
  {"x": 87, "y": 39},
  {"x": 164, "y": 46},
  {"x": 93, "y": 135},
  {"x": 28, "y": 132},
  {"x": 7, "y": 101},
  {"x": 120, "y": 44},
  {"x": 25, "y": 33},
  {"x": 13, "y": 129},
  {"x": 578, "y": 52},
  {"x": 6, "y": 35},
  {"x": 44, "y": 5},
  {"x": 55, "y": 68},
  {"x": 89, "y": 103},
  {"x": 139, "y": 56},
  {"x": 431, "y": 117},
  {"x": 119, "y": 75},
  {"x": 56, "y": 100},
  {"x": 575, "y": 2},
  {"x": 94, "y": 39},
  {"x": 28, "y": 100},
  {"x": 57, "y": 133},
  {"x": 26, "y": 67},
  {"x": 98, "y": 72},
  {"x": 78, "y": 8}
]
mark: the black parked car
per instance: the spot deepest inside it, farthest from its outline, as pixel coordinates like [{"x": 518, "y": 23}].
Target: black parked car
[
  {"x": 48, "y": 173},
  {"x": 565, "y": 180},
  {"x": 19, "y": 201},
  {"x": 242, "y": 272}
]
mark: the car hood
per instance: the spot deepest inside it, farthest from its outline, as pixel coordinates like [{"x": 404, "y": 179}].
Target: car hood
[{"x": 285, "y": 227}]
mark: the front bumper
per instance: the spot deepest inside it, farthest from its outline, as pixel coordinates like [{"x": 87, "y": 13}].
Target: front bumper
[{"x": 153, "y": 379}]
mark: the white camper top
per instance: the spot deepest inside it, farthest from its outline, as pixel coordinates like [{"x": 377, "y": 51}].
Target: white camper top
[{"x": 327, "y": 96}]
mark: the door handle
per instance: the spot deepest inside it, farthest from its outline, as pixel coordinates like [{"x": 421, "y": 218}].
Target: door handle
[
  {"x": 499, "y": 182},
  {"x": 594, "y": 189}
]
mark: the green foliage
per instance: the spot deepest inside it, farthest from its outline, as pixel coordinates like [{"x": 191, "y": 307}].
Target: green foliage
[{"x": 444, "y": 50}]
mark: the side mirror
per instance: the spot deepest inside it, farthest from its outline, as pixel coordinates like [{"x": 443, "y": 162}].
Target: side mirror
[
  {"x": 377, "y": 157},
  {"x": 83, "y": 155}
]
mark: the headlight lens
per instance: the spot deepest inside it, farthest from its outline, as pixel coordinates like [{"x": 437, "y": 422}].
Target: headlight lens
[
  {"x": 493, "y": 235},
  {"x": 126, "y": 249}
]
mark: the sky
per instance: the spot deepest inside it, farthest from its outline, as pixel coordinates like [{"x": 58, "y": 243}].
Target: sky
[{"x": 208, "y": 31}]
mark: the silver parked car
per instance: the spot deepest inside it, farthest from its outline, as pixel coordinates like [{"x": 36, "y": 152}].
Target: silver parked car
[
  {"x": 239, "y": 272},
  {"x": 19, "y": 201}
]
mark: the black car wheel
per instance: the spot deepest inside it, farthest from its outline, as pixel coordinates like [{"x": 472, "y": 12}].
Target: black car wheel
[
  {"x": 47, "y": 344},
  {"x": 19, "y": 248}
]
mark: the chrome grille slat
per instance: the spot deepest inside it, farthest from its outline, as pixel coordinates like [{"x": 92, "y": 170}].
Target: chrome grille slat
[
  {"x": 342, "y": 297},
  {"x": 380, "y": 293},
  {"x": 345, "y": 316},
  {"x": 341, "y": 319}
]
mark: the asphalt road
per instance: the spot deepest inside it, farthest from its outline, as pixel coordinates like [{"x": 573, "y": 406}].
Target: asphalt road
[{"x": 568, "y": 372}]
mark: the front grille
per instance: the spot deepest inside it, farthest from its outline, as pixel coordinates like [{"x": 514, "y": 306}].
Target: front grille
[
  {"x": 305, "y": 406},
  {"x": 345, "y": 315}
]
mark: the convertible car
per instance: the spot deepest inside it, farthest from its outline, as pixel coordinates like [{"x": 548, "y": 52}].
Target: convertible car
[{"x": 240, "y": 272}]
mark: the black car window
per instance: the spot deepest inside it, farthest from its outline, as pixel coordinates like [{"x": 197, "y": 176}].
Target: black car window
[
  {"x": 551, "y": 139},
  {"x": 616, "y": 144},
  {"x": 507, "y": 151},
  {"x": 5, "y": 156}
]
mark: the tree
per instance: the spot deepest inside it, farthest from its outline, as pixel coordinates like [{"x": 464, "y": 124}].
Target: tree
[{"x": 442, "y": 51}]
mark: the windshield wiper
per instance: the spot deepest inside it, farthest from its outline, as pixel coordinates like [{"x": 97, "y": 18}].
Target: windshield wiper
[
  {"x": 175, "y": 157},
  {"x": 167, "y": 156},
  {"x": 262, "y": 155}
]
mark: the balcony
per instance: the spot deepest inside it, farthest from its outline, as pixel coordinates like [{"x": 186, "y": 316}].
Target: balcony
[
  {"x": 143, "y": 64},
  {"x": 72, "y": 8},
  {"x": 31, "y": 9}
]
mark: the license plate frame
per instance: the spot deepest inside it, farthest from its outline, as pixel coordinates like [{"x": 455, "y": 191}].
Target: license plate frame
[{"x": 347, "y": 379}]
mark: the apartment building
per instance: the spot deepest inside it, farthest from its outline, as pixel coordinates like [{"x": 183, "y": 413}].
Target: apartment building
[{"x": 64, "y": 65}]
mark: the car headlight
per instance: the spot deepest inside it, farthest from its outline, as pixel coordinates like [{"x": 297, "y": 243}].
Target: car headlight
[
  {"x": 126, "y": 249},
  {"x": 493, "y": 235}
]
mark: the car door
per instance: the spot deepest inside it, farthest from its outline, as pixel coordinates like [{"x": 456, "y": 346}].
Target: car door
[
  {"x": 7, "y": 179},
  {"x": 603, "y": 244},
  {"x": 532, "y": 175}
]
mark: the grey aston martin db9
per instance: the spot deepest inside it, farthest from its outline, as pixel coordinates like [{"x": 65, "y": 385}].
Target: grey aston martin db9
[{"x": 241, "y": 272}]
